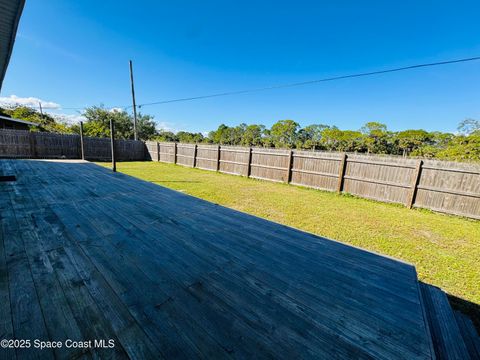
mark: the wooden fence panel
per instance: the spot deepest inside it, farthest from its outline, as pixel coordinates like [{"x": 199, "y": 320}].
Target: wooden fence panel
[
  {"x": 207, "y": 157},
  {"x": 379, "y": 178},
  {"x": 50, "y": 145},
  {"x": 316, "y": 169},
  {"x": 167, "y": 152},
  {"x": 26, "y": 144},
  {"x": 185, "y": 154},
  {"x": 441, "y": 186},
  {"x": 234, "y": 160},
  {"x": 97, "y": 149},
  {"x": 130, "y": 150},
  {"x": 270, "y": 164},
  {"x": 449, "y": 187},
  {"x": 151, "y": 150},
  {"x": 16, "y": 143}
]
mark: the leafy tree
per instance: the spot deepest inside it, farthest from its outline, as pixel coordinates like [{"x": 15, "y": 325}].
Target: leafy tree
[
  {"x": 253, "y": 135},
  {"x": 411, "y": 140},
  {"x": 441, "y": 140},
  {"x": 284, "y": 133},
  {"x": 463, "y": 147},
  {"x": 98, "y": 122},
  {"x": 46, "y": 122},
  {"x": 188, "y": 137},
  {"x": 373, "y": 137},
  {"x": 374, "y": 128},
  {"x": 267, "y": 139},
  {"x": 221, "y": 136},
  {"x": 376, "y": 138},
  {"x": 310, "y": 136},
  {"x": 98, "y": 118},
  {"x": 469, "y": 126},
  {"x": 342, "y": 140},
  {"x": 146, "y": 128},
  {"x": 428, "y": 151},
  {"x": 166, "y": 136}
]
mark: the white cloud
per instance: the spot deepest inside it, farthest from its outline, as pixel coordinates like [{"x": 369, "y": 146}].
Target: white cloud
[
  {"x": 166, "y": 126},
  {"x": 69, "y": 118},
  {"x": 176, "y": 127},
  {"x": 116, "y": 109},
  {"x": 28, "y": 101},
  {"x": 48, "y": 106}
]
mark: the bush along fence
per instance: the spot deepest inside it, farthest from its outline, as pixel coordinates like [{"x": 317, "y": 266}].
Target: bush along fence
[
  {"x": 43, "y": 145},
  {"x": 447, "y": 187}
]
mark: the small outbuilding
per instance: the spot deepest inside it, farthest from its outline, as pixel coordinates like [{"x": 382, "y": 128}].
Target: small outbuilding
[{"x": 15, "y": 124}]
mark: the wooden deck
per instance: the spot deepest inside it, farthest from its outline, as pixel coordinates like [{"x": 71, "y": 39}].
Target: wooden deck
[{"x": 89, "y": 254}]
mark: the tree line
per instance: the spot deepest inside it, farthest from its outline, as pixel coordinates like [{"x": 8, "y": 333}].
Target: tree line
[{"x": 373, "y": 137}]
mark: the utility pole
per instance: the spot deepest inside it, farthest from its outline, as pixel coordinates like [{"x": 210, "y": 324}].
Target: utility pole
[
  {"x": 133, "y": 101},
  {"x": 41, "y": 110}
]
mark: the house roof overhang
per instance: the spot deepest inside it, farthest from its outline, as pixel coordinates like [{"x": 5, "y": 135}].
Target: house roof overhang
[
  {"x": 18, "y": 121},
  {"x": 10, "y": 12}
]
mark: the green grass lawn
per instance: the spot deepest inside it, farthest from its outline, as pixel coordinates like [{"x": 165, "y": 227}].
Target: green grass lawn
[{"x": 445, "y": 249}]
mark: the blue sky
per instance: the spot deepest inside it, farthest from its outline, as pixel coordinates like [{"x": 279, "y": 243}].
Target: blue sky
[{"x": 75, "y": 54}]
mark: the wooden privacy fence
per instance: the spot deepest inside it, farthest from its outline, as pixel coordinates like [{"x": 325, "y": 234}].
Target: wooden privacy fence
[
  {"x": 448, "y": 187},
  {"x": 43, "y": 145}
]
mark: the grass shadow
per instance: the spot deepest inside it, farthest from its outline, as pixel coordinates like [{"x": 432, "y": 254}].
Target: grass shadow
[{"x": 470, "y": 309}]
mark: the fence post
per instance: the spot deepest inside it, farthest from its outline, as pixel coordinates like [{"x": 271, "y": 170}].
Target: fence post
[
  {"x": 414, "y": 186},
  {"x": 218, "y": 157},
  {"x": 112, "y": 139},
  {"x": 290, "y": 165},
  {"x": 158, "y": 151},
  {"x": 195, "y": 155},
  {"x": 175, "y": 153},
  {"x": 341, "y": 172},
  {"x": 82, "y": 149},
  {"x": 249, "y": 167}
]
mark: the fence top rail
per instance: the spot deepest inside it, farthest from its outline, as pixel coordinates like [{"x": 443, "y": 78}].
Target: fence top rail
[
  {"x": 465, "y": 171},
  {"x": 49, "y": 134},
  {"x": 207, "y": 147},
  {"x": 172, "y": 144},
  {"x": 382, "y": 163},
  {"x": 233, "y": 150},
  {"x": 261, "y": 152},
  {"x": 331, "y": 155},
  {"x": 318, "y": 157},
  {"x": 467, "y": 165}
]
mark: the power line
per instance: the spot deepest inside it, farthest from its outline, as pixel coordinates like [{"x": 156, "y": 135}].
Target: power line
[
  {"x": 282, "y": 86},
  {"x": 289, "y": 85}
]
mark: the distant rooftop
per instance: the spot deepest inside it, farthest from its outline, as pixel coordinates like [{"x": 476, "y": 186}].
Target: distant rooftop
[
  {"x": 10, "y": 12},
  {"x": 18, "y": 120}
]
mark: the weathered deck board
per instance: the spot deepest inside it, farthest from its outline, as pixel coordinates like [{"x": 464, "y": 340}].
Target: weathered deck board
[
  {"x": 447, "y": 337},
  {"x": 170, "y": 276},
  {"x": 6, "y": 325},
  {"x": 469, "y": 334}
]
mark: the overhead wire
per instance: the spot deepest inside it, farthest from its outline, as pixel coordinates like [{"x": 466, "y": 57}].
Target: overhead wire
[{"x": 287, "y": 85}]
